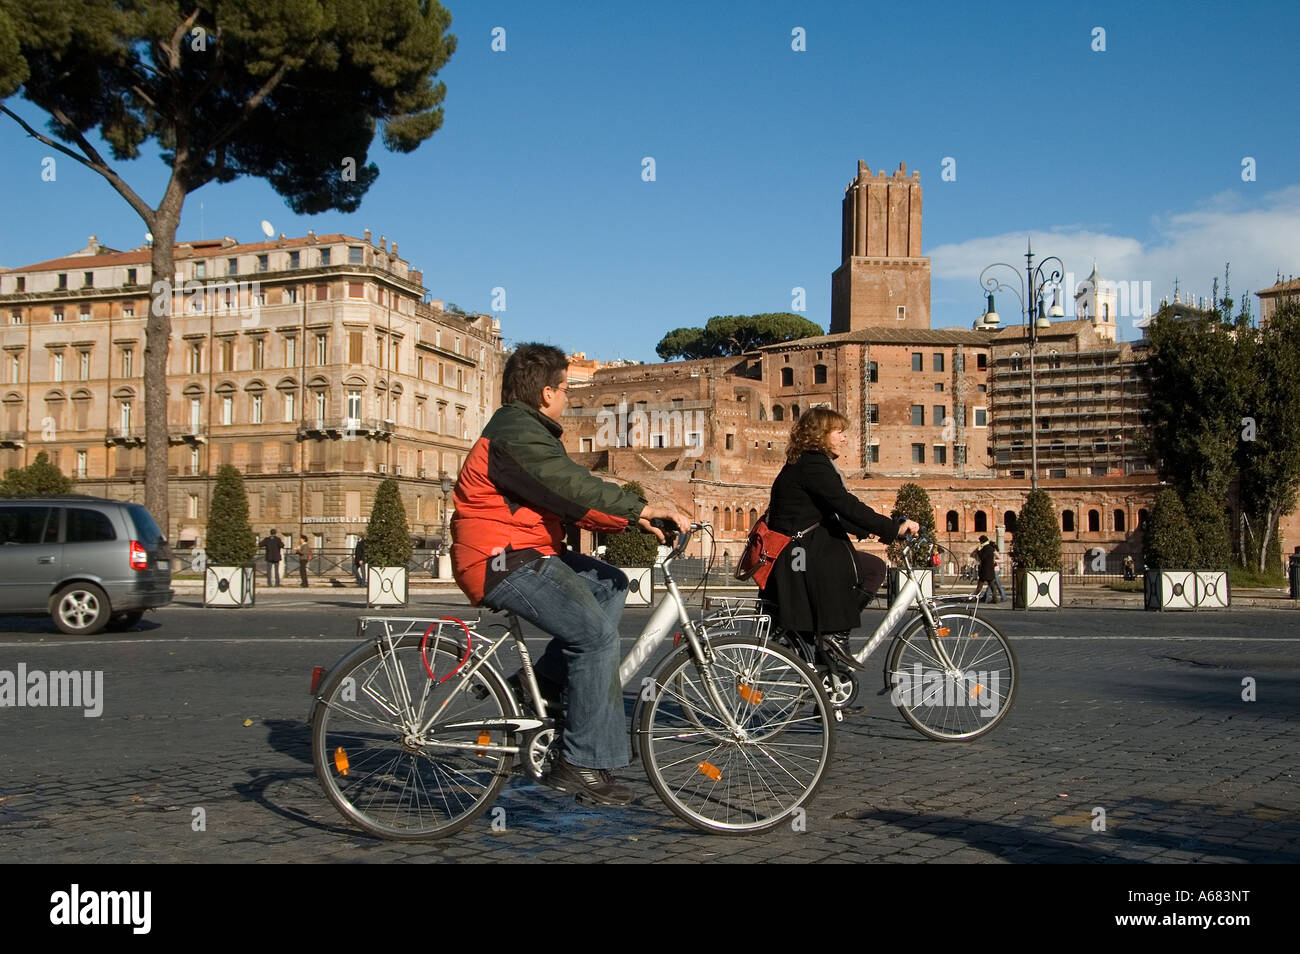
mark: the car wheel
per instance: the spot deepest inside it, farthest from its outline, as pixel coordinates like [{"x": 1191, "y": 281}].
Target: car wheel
[
  {"x": 121, "y": 621},
  {"x": 81, "y": 609}
]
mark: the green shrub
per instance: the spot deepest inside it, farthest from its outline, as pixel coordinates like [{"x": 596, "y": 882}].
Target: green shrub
[
  {"x": 1169, "y": 542},
  {"x": 40, "y": 478},
  {"x": 1036, "y": 544},
  {"x": 914, "y": 503},
  {"x": 1210, "y": 530},
  {"x": 231, "y": 541},
  {"x": 633, "y": 547},
  {"x": 388, "y": 539}
]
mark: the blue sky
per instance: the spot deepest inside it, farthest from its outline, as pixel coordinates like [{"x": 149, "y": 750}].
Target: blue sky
[{"x": 1132, "y": 156}]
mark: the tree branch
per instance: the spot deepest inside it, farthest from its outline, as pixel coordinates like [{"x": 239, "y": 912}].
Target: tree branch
[
  {"x": 253, "y": 102},
  {"x": 99, "y": 166}
]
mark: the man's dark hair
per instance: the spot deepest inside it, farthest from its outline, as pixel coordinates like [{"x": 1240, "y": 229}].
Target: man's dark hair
[{"x": 531, "y": 368}]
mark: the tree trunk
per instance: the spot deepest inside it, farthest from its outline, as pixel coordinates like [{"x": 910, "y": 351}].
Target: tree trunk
[
  {"x": 158, "y": 330},
  {"x": 1269, "y": 519}
]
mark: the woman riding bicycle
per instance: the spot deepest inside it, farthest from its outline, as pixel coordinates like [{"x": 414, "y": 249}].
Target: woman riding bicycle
[{"x": 820, "y": 583}]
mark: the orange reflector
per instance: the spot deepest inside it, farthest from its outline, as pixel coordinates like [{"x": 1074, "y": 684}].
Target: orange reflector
[
  {"x": 941, "y": 631},
  {"x": 751, "y": 695},
  {"x": 316, "y": 674},
  {"x": 976, "y": 690},
  {"x": 677, "y": 638},
  {"x": 341, "y": 760},
  {"x": 711, "y": 770},
  {"x": 483, "y": 739}
]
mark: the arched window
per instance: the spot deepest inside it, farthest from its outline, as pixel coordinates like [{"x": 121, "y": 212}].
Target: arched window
[
  {"x": 1009, "y": 521},
  {"x": 715, "y": 518},
  {"x": 1094, "y": 521},
  {"x": 794, "y": 412},
  {"x": 951, "y": 522},
  {"x": 753, "y": 516},
  {"x": 762, "y": 413},
  {"x": 1142, "y": 519},
  {"x": 726, "y": 519},
  {"x": 778, "y": 412},
  {"x": 1067, "y": 521},
  {"x": 981, "y": 522},
  {"x": 1119, "y": 521}
]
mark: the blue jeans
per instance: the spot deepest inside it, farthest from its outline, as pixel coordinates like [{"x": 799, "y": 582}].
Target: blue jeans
[
  {"x": 987, "y": 595},
  {"x": 272, "y": 573},
  {"x": 578, "y": 600}
]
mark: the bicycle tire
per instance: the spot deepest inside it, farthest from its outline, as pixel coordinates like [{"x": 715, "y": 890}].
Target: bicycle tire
[
  {"x": 723, "y": 784},
  {"x": 945, "y": 706},
  {"x": 400, "y": 791}
]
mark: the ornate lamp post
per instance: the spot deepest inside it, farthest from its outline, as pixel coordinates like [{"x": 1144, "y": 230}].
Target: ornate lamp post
[
  {"x": 1034, "y": 314},
  {"x": 444, "y": 551}
]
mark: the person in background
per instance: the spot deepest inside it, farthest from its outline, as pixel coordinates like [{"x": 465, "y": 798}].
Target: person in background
[
  {"x": 359, "y": 561},
  {"x": 1129, "y": 570},
  {"x": 305, "y": 553},
  {"x": 987, "y": 554},
  {"x": 274, "y": 548}
]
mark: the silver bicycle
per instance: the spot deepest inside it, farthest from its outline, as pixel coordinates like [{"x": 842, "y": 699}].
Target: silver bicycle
[
  {"x": 415, "y": 732},
  {"x": 952, "y": 675}
]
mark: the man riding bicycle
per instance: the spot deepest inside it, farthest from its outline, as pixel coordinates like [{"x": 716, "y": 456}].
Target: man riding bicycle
[{"x": 516, "y": 491}]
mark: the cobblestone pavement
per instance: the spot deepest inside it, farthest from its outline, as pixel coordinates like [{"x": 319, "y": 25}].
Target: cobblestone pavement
[{"x": 1141, "y": 715}]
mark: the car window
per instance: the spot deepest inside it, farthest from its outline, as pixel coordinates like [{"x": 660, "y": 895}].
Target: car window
[
  {"x": 85, "y": 526},
  {"x": 146, "y": 529},
  {"x": 23, "y": 524}
]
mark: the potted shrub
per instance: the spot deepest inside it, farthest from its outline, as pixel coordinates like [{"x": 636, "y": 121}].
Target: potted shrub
[
  {"x": 388, "y": 548},
  {"x": 1036, "y": 555},
  {"x": 634, "y": 552},
  {"x": 227, "y": 561},
  {"x": 913, "y": 503},
  {"x": 1175, "y": 577}
]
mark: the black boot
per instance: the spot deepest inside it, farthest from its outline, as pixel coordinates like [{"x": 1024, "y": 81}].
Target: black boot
[{"x": 836, "y": 647}]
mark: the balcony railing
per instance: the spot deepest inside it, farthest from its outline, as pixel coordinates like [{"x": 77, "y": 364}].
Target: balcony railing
[
  {"x": 182, "y": 433},
  {"x": 340, "y": 426},
  {"x": 124, "y": 435}
]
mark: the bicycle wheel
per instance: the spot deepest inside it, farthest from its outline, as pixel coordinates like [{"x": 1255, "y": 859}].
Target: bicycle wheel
[
  {"x": 956, "y": 703},
  {"x": 751, "y": 779},
  {"x": 374, "y": 768}
]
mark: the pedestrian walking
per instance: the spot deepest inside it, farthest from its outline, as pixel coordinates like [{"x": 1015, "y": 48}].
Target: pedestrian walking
[
  {"x": 987, "y": 554},
  {"x": 1129, "y": 571},
  {"x": 274, "y": 548},
  {"x": 359, "y": 561},
  {"x": 305, "y": 553}
]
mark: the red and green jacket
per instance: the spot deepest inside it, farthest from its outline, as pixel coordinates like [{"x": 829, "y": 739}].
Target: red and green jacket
[{"x": 515, "y": 493}]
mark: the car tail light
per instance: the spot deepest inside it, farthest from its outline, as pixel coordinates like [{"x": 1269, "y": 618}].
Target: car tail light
[{"x": 139, "y": 556}]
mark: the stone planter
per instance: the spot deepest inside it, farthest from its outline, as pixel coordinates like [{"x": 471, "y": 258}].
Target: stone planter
[
  {"x": 1036, "y": 589},
  {"x": 896, "y": 579},
  {"x": 229, "y": 586},
  {"x": 640, "y": 585},
  {"x": 386, "y": 586},
  {"x": 1186, "y": 589}
]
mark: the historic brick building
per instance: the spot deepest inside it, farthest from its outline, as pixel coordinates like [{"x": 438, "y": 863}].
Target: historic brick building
[
  {"x": 946, "y": 408},
  {"x": 312, "y": 364}
]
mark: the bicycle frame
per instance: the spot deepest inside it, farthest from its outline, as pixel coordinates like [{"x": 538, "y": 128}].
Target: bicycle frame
[{"x": 669, "y": 611}]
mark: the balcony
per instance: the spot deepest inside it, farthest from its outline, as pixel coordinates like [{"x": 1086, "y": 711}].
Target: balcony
[
  {"x": 13, "y": 438},
  {"x": 187, "y": 434},
  {"x": 338, "y": 427},
  {"x": 126, "y": 436}
]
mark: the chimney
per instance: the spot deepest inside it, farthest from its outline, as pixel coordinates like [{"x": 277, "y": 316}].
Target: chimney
[
  {"x": 394, "y": 248},
  {"x": 367, "y": 235},
  {"x": 311, "y": 236},
  {"x": 383, "y": 243}
]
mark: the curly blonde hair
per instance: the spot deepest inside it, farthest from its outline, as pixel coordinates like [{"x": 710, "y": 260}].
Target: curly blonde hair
[{"x": 812, "y": 432}]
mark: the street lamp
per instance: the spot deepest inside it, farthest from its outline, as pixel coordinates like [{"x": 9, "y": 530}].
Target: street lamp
[
  {"x": 1035, "y": 317},
  {"x": 444, "y": 553}
]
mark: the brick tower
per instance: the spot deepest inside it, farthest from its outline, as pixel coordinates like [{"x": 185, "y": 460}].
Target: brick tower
[{"x": 883, "y": 280}]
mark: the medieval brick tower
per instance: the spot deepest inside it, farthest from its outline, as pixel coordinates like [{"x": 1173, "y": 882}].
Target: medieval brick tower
[{"x": 883, "y": 280}]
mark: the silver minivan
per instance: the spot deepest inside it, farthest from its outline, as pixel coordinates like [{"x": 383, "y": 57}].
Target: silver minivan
[{"x": 87, "y": 562}]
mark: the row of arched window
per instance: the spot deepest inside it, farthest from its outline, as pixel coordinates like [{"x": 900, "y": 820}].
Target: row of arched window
[
  {"x": 1119, "y": 521},
  {"x": 739, "y": 519}
]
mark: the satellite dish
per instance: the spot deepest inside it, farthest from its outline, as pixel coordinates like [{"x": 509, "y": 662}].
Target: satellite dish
[
  {"x": 148, "y": 237},
  {"x": 267, "y": 229}
]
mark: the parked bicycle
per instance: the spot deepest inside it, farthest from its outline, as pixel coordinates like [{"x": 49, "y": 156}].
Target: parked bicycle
[
  {"x": 415, "y": 731},
  {"x": 952, "y": 675}
]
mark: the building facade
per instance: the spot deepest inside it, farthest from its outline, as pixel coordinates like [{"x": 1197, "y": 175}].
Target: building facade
[{"x": 311, "y": 364}]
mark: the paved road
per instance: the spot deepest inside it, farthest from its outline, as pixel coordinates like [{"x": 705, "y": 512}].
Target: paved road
[{"x": 1136, "y": 713}]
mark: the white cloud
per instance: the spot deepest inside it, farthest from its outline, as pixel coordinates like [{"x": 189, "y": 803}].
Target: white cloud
[{"x": 1258, "y": 241}]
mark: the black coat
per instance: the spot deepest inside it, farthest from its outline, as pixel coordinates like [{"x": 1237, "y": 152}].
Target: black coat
[
  {"x": 813, "y": 581},
  {"x": 987, "y": 553}
]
